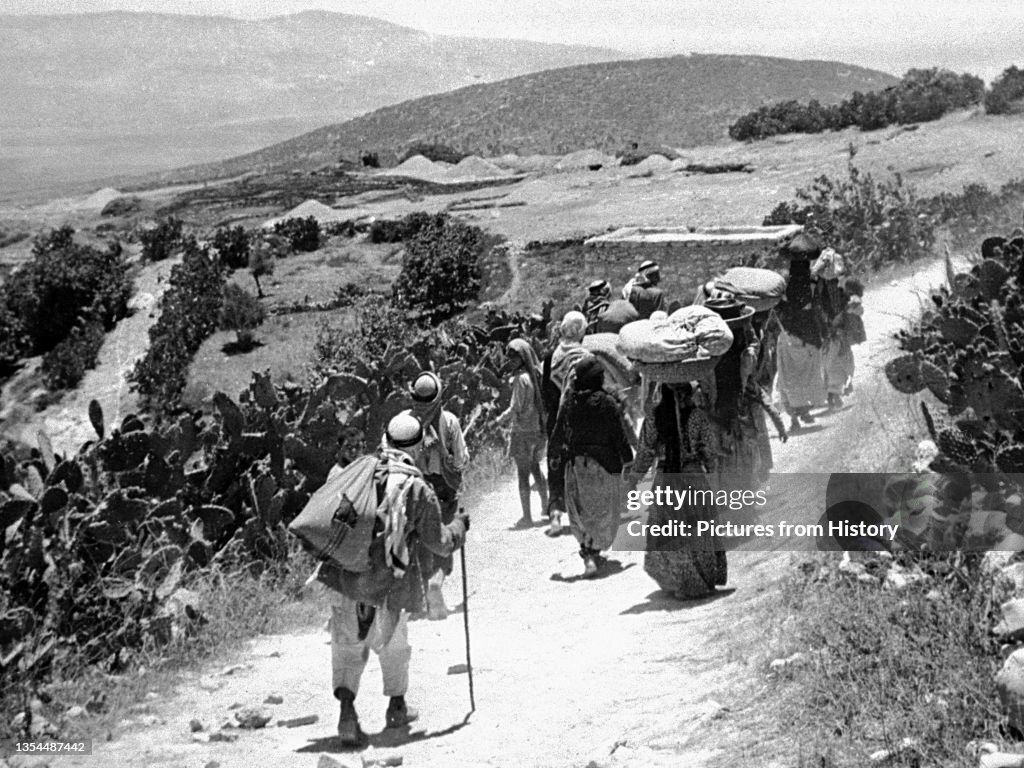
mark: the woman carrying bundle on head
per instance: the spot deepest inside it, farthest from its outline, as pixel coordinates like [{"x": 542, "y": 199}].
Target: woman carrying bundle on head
[
  {"x": 801, "y": 380},
  {"x": 525, "y": 414},
  {"x": 592, "y": 444},
  {"x": 680, "y": 437}
]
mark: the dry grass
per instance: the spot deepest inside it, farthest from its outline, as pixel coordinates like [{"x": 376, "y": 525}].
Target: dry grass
[
  {"x": 286, "y": 350},
  {"x": 882, "y": 666}
]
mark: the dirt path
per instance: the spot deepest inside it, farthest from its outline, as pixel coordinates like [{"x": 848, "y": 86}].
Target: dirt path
[{"x": 564, "y": 669}]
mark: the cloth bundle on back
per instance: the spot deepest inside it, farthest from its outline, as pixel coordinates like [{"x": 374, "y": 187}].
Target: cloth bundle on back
[{"x": 381, "y": 521}]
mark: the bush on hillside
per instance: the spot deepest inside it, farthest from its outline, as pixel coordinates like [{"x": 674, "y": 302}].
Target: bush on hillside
[
  {"x": 242, "y": 313},
  {"x": 122, "y": 206},
  {"x": 433, "y": 151},
  {"x": 161, "y": 241},
  {"x": 301, "y": 234},
  {"x": 46, "y": 298},
  {"x": 921, "y": 95},
  {"x": 398, "y": 230},
  {"x": 189, "y": 313},
  {"x": 232, "y": 245},
  {"x": 872, "y": 223},
  {"x": 65, "y": 365},
  {"x": 441, "y": 269},
  {"x": 1007, "y": 93}
]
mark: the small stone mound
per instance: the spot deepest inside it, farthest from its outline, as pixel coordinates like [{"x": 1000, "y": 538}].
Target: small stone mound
[
  {"x": 419, "y": 167},
  {"x": 583, "y": 159},
  {"x": 475, "y": 167},
  {"x": 324, "y": 214},
  {"x": 653, "y": 164},
  {"x": 101, "y": 197}
]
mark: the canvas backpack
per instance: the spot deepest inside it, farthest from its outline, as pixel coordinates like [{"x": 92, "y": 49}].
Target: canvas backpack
[{"x": 343, "y": 520}]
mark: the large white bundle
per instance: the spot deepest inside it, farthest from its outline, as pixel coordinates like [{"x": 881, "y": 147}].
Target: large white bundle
[
  {"x": 758, "y": 288},
  {"x": 689, "y": 333}
]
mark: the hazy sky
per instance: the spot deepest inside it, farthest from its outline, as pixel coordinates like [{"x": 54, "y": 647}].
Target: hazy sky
[{"x": 980, "y": 36}]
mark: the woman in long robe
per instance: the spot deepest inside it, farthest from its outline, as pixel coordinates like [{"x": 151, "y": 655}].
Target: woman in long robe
[
  {"x": 590, "y": 437},
  {"x": 557, "y": 379},
  {"x": 680, "y": 436},
  {"x": 801, "y": 379}
]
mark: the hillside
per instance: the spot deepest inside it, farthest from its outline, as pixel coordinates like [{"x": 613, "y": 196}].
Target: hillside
[
  {"x": 679, "y": 101},
  {"x": 92, "y": 95}
]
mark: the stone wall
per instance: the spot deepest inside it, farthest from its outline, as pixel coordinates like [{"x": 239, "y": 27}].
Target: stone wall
[{"x": 683, "y": 268}]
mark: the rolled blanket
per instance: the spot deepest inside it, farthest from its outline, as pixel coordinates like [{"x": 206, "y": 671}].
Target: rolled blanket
[
  {"x": 761, "y": 289},
  {"x": 689, "y": 333}
]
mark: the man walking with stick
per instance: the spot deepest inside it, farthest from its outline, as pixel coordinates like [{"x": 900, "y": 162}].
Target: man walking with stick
[{"x": 371, "y": 606}]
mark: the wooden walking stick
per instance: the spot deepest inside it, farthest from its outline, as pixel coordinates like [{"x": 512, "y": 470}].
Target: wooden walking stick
[{"x": 465, "y": 623}]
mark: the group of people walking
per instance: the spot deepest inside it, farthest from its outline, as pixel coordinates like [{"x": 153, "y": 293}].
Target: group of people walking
[{"x": 710, "y": 433}]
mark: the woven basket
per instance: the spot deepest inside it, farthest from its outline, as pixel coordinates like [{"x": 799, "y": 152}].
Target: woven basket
[{"x": 678, "y": 372}]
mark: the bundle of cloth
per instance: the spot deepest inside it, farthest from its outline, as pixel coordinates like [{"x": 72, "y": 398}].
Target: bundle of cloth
[
  {"x": 761, "y": 289},
  {"x": 690, "y": 333}
]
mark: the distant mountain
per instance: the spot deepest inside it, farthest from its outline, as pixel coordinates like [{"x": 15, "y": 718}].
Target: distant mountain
[
  {"x": 680, "y": 101},
  {"x": 112, "y": 90}
]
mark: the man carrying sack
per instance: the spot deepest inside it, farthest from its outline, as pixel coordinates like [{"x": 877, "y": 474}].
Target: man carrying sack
[{"x": 377, "y": 564}]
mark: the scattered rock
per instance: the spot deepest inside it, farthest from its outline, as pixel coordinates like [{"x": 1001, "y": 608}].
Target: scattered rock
[
  {"x": 297, "y": 722},
  {"x": 97, "y": 703},
  {"x": 236, "y": 705},
  {"x": 274, "y": 699},
  {"x": 221, "y": 736},
  {"x": 152, "y": 696},
  {"x": 210, "y": 684},
  {"x": 212, "y": 764},
  {"x": 195, "y": 726},
  {"x": 1013, "y": 576},
  {"x": 388, "y": 760},
  {"x": 139, "y": 709},
  {"x": 234, "y": 668},
  {"x": 790, "y": 662},
  {"x": 1002, "y": 760},
  {"x": 75, "y": 712},
  {"x": 898, "y": 577},
  {"x": 252, "y": 717},
  {"x": 1011, "y": 628},
  {"x": 1010, "y": 687},
  {"x": 274, "y": 655},
  {"x": 331, "y": 761},
  {"x": 884, "y": 755},
  {"x": 995, "y": 561}
]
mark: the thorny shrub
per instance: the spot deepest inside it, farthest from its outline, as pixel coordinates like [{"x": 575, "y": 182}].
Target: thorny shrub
[
  {"x": 159, "y": 242},
  {"x": 301, "y": 234},
  {"x": 440, "y": 269},
  {"x": 242, "y": 313},
  {"x": 232, "y": 245},
  {"x": 189, "y": 312},
  {"x": 872, "y": 222},
  {"x": 65, "y": 365},
  {"x": 1007, "y": 93},
  {"x": 41, "y": 302}
]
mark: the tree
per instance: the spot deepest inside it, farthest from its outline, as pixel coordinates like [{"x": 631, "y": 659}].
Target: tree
[
  {"x": 232, "y": 246},
  {"x": 158, "y": 243},
  {"x": 262, "y": 257},
  {"x": 241, "y": 312},
  {"x": 441, "y": 269}
]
